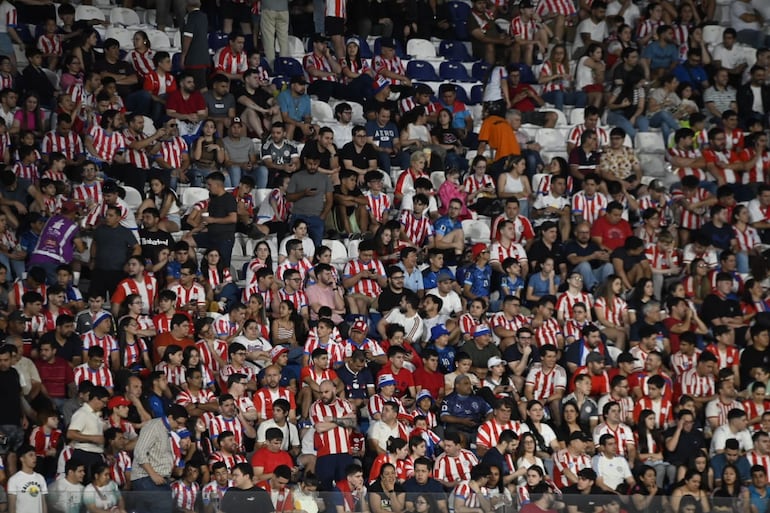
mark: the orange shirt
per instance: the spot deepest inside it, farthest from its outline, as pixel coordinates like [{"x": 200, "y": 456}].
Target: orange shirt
[{"x": 499, "y": 135}]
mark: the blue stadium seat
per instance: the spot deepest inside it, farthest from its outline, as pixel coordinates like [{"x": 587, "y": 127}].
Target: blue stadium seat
[
  {"x": 363, "y": 45},
  {"x": 453, "y": 71},
  {"x": 399, "y": 49},
  {"x": 527, "y": 75},
  {"x": 288, "y": 67},
  {"x": 462, "y": 95},
  {"x": 421, "y": 70},
  {"x": 24, "y": 33},
  {"x": 454, "y": 51},
  {"x": 217, "y": 40},
  {"x": 480, "y": 71},
  {"x": 458, "y": 15},
  {"x": 176, "y": 63},
  {"x": 280, "y": 83},
  {"x": 263, "y": 62},
  {"x": 477, "y": 94}
]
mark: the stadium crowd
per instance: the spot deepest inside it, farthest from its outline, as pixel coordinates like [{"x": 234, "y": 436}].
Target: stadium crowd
[{"x": 412, "y": 308}]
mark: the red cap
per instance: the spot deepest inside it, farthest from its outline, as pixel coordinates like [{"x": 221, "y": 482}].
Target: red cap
[
  {"x": 116, "y": 401},
  {"x": 477, "y": 249},
  {"x": 68, "y": 207},
  {"x": 360, "y": 326}
]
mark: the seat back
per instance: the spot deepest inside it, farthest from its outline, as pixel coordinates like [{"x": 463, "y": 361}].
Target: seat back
[
  {"x": 124, "y": 16},
  {"x": 454, "y": 51},
  {"x": 453, "y": 71},
  {"x": 159, "y": 40},
  {"x": 89, "y": 12},
  {"x": 421, "y": 70},
  {"x": 288, "y": 67},
  {"x": 420, "y": 49},
  {"x": 480, "y": 71}
]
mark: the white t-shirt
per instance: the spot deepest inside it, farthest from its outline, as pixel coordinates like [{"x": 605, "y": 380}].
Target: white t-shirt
[
  {"x": 307, "y": 246},
  {"x": 289, "y": 430},
  {"x": 597, "y": 31},
  {"x": 723, "y": 433},
  {"x": 630, "y": 17},
  {"x": 757, "y": 92},
  {"x": 494, "y": 89},
  {"x": 451, "y": 302},
  {"x": 729, "y": 58},
  {"x": 65, "y": 497},
  {"x": 29, "y": 490},
  {"x": 613, "y": 470},
  {"x": 738, "y": 9}
]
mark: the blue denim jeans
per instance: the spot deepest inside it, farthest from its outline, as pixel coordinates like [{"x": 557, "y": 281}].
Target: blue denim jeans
[
  {"x": 642, "y": 123},
  {"x": 258, "y": 173},
  {"x": 559, "y": 98},
  {"x": 315, "y": 227},
  {"x": 664, "y": 120},
  {"x": 151, "y": 498}
]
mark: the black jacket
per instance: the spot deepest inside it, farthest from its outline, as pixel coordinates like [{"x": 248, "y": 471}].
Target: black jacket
[{"x": 745, "y": 100}]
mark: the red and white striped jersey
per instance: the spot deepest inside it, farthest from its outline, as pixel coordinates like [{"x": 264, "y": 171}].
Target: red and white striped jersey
[
  {"x": 107, "y": 342},
  {"x": 141, "y": 61},
  {"x": 564, "y": 7},
  {"x": 253, "y": 288},
  {"x": 20, "y": 287},
  {"x": 26, "y": 171},
  {"x": 215, "y": 279},
  {"x": 722, "y": 161},
  {"x": 70, "y": 145},
  {"x": 417, "y": 229},
  {"x": 43, "y": 441},
  {"x": 86, "y": 192},
  {"x": 205, "y": 351},
  {"x": 546, "y": 383},
  {"x": 225, "y": 328},
  {"x": 748, "y": 239},
  {"x": 186, "y": 397},
  {"x": 623, "y": 434},
  {"x": 335, "y": 8},
  {"x": 488, "y": 433},
  {"x": 761, "y": 169},
  {"x": 577, "y": 132},
  {"x": 146, "y": 287},
  {"x": 302, "y": 266},
  {"x": 367, "y": 286},
  {"x": 230, "y": 63},
  {"x": 377, "y": 205},
  {"x": 734, "y": 139},
  {"x": 725, "y": 358},
  {"x": 175, "y": 375},
  {"x": 298, "y": 298},
  {"x": 407, "y": 104},
  {"x": 718, "y": 410},
  {"x": 121, "y": 463},
  {"x": 472, "y": 184},
  {"x": 85, "y": 98},
  {"x": 337, "y": 439},
  {"x": 525, "y": 30},
  {"x": 574, "y": 329},
  {"x": 106, "y": 144},
  {"x": 50, "y": 44},
  {"x": 100, "y": 377},
  {"x": 265, "y": 397},
  {"x": 613, "y": 312},
  {"x": 500, "y": 320},
  {"x": 230, "y": 460},
  {"x": 664, "y": 411},
  {"x": 184, "y": 495},
  {"x": 316, "y": 376},
  {"x": 157, "y": 84},
  {"x": 660, "y": 259},
  {"x": 547, "y": 70},
  {"x": 212, "y": 493},
  {"x": 757, "y": 459},
  {"x": 681, "y": 36},
  {"x": 335, "y": 347},
  {"x": 228, "y": 370},
  {"x": 196, "y": 294},
  {"x": 566, "y": 302},
  {"x": 565, "y": 460},
  {"x": 132, "y": 353},
  {"x": 219, "y": 424},
  {"x": 471, "y": 499},
  {"x": 685, "y": 171},
  {"x": 405, "y": 181},
  {"x": 548, "y": 333},
  {"x": 521, "y": 225},
  {"x": 8, "y": 17},
  {"x": 589, "y": 208},
  {"x": 360, "y": 67},
  {"x": 171, "y": 152},
  {"x": 498, "y": 252},
  {"x": 695, "y": 385},
  {"x": 320, "y": 63},
  {"x": 394, "y": 65},
  {"x": 468, "y": 323},
  {"x": 544, "y": 189},
  {"x": 681, "y": 363},
  {"x": 648, "y": 28},
  {"x": 377, "y": 401},
  {"x": 754, "y": 410},
  {"x": 138, "y": 158},
  {"x": 687, "y": 219},
  {"x": 455, "y": 468},
  {"x": 162, "y": 323}
]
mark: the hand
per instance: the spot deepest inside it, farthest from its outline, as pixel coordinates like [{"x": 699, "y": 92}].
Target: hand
[
  {"x": 158, "y": 479},
  {"x": 212, "y": 147},
  {"x": 311, "y": 192}
]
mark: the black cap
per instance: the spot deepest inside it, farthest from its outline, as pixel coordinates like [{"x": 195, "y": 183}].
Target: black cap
[
  {"x": 17, "y": 315},
  {"x": 387, "y": 42},
  {"x": 587, "y": 473},
  {"x": 579, "y": 435},
  {"x": 109, "y": 187}
]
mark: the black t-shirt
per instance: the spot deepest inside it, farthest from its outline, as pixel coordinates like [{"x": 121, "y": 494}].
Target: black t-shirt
[
  {"x": 388, "y": 300},
  {"x": 360, "y": 159},
  {"x": 356, "y": 193},
  {"x": 153, "y": 242},
  {"x": 384, "y": 500},
  {"x": 446, "y": 136},
  {"x": 326, "y": 156},
  {"x": 585, "y": 503},
  {"x": 259, "y": 96},
  {"x": 689, "y": 443},
  {"x": 113, "y": 247},
  {"x": 120, "y": 67},
  {"x": 254, "y": 499},
  {"x": 538, "y": 252},
  {"x": 720, "y": 237},
  {"x": 373, "y": 105},
  {"x": 629, "y": 261},
  {"x": 715, "y": 306},
  {"x": 72, "y": 346},
  {"x": 222, "y": 206},
  {"x": 10, "y": 397},
  {"x": 573, "y": 248},
  {"x": 750, "y": 358}
]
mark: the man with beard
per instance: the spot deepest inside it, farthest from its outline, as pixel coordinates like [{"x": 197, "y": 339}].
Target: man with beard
[
  {"x": 312, "y": 195},
  {"x": 187, "y": 105},
  {"x": 325, "y": 292},
  {"x": 152, "y": 238},
  {"x": 137, "y": 282},
  {"x": 723, "y": 164},
  {"x": 333, "y": 419}
]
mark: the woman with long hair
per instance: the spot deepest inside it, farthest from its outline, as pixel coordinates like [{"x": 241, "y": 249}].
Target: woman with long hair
[
  {"x": 72, "y": 72},
  {"x": 299, "y": 231},
  {"x": 29, "y": 117},
  {"x": 731, "y": 496},
  {"x": 133, "y": 306},
  {"x": 191, "y": 359},
  {"x": 387, "y": 495},
  {"x": 85, "y": 49},
  {"x": 547, "y": 443},
  {"x": 514, "y": 183},
  {"x": 695, "y": 42},
  {"x": 480, "y": 186},
  {"x": 255, "y": 309},
  {"x": 698, "y": 463},
  {"x": 208, "y": 155},
  {"x": 356, "y": 71},
  {"x": 134, "y": 354},
  {"x": 257, "y": 345},
  {"x": 218, "y": 280},
  {"x": 570, "y": 423},
  {"x": 754, "y": 300},
  {"x": 415, "y": 136},
  {"x": 589, "y": 75},
  {"x": 141, "y": 56},
  {"x": 622, "y": 38},
  {"x": 166, "y": 200},
  {"x": 526, "y": 454},
  {"x": 396, "y": 453},
  {"x": 642, "y": 293},
  {"x": 102, "y": 495},
  {"x": 691, "y": 486},
  {"x": 697, "y": 284},
  {"x": 534, "y": 478},
  {"x": 262, "y": 258},
  {"x": 213, "y": 352},
  {"x": 450, "y": 140},
  {"x": 557, "y": 80},
  {"x": 323, "y": 255},
  {"x": 287, "y": 328},
  {"x": 646, "y": 494},
  {"x": 650, "y": 447},
  {"x": 171, "y": 366},
  {"x": 385, "y": 248},
  {"x": 499, "y": 493},
  {"x": 612, "y": 310},
  {"x": 746, "y": 241}
]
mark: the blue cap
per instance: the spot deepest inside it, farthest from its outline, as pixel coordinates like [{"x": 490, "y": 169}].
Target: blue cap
[
  {"x": 438, "y": 330},
  {"x": 481, "y": 329},
  {"x": 423, "y": 394},
  {"x": 444, "y": 274}
]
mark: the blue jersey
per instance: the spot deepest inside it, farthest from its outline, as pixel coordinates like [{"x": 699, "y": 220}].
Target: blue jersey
[
  {"x": 479, "y": 279},
  {"x": 446, "y": 358}
]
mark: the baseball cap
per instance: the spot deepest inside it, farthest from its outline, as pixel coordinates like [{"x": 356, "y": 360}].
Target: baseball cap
[
  {"x": 626, "y": 358},
  {"x": 380, "y": 84},
  {"x": 110, "y": 187},
  {"x": 481, "y": 329},
  {"x": 385, "y": 380},
  {"x": 68, "y": 207},
  {"x": 278, "y": 351},
  {"x": 235, "y": 120},
  {"x": 495, "y": 361},
  {"x": 103, "y": 315},
  {"x": 438, "y": 330},
  {"x": 352, "y": 40},
  {"x": 579, "y": 435},
  {"x": 657, "y": 185},
  {"x": 445, "y": 275},
  {"x": 594, "y": 357},
  {"x": 477, "y": 249},
  {"x": 116, "y": 401},
  {"x": 17, "y": 315},
  {"x": 422, "y": 394},
  {"x": 360, "y": 325}
]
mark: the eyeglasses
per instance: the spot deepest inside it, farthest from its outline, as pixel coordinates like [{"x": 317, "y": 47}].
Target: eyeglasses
[{"x": 173, "y": 125}]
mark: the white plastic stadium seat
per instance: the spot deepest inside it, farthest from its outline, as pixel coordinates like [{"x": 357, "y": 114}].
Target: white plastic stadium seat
[
  {"x": 124, "y": 36},
  {"x": 260, "y": 195},
  {"x": 339, "y": 253},
  {"x": 124, "y": 16},
  {"x": 321, "y": 111},
  {"x": 437, "y": 178},
  {"x": 551, "y": 139},
  {"x": 420, "y": 49},
  {"x": 158, "y": 40},
  {"x": 562, "y": 118},
  {"x": 712, "y": 35},
  {"x": 296, "y": 49},
  {"x": 133, "y": 198},
  {"x": 649, "y": 142},
  {"x": 476, "y": 230},
  {"x": 149, "y": 126},
  {"x": 577, "y": 116},
  {"x": 89, "y": 12},
  {"x": 352, "y": 246},
  {"x": 193, "y": 195}
]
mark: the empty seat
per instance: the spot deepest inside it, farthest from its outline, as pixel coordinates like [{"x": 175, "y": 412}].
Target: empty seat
[
  {"x": 124, "y": 16},
  {"x": 477, "y": 94},
  {"x": 437, "y": 178},
  {"x": 480, "y": 71},
  {"x": 454, "y": 51},
  {"x": 649, "y": 142},
  {"x": 420, "y": 49},
  {"x": 458, "y": 16},
  {"x": 321, "y": 111},
  {"x": 288, "y": 67},
  {"x": 421, "y": 70},
  {"x": 133, "y": 199},
  {"x": 577, "y": 116},
  {"x": 339, "y": 253},
  {"x": 296, "y": 48},
  {"x": 712, "y": 34},
  {"x": 193, "y": 195},
  {"x": 159, "y": 40},
  {"x": 477, "y": 230},
  {"x": 453, "y": 71},
  {"x": 89, "y": 12},
  {"x": 217, "y": 40},
  {"x": 124, "y": 36},
  {"x": 260, "y": 195},
  {"x": 551, "y": 139}
]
